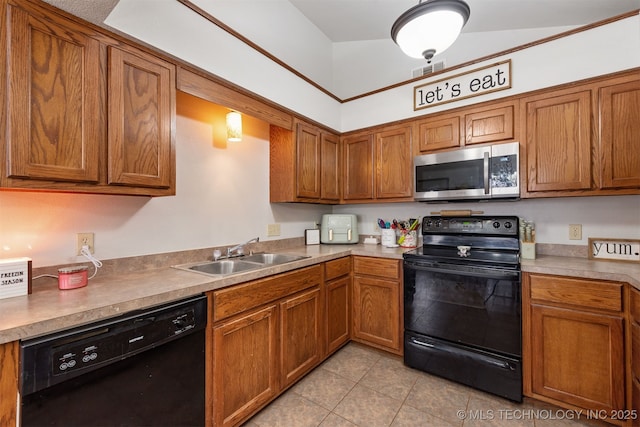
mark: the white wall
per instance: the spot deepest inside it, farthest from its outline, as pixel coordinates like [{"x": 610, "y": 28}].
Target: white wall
[
  {"x": 363, "y": 66},
  {"x": 174, "y": 28},
  {"x": 605, "y": 216},
  {"x": 599, "y": 51},
  {"x": 222, "y": 198},
  {"x": 222, "y": 193}
]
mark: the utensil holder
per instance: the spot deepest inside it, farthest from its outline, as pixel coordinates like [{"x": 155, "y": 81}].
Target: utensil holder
[
  {"x": 388, "y": 237},
  {"x": 410, "y": 239}
]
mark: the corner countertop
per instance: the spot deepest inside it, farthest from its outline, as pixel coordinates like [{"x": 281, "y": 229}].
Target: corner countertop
[
  {"x": 585, "y": 268},
  {"x": 49, "y": 309}
]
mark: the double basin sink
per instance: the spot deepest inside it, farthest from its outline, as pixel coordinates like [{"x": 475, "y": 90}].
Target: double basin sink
[{"x": 225, "y": 267}]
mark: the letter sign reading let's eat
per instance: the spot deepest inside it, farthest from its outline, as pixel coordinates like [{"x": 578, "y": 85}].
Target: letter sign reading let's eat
[{"x": 473, "y": 83}]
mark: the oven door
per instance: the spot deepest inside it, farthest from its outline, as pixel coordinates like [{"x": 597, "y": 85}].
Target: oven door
[
  {"x": 476, "y": 306},
  {"x": 464, "y": 323}
]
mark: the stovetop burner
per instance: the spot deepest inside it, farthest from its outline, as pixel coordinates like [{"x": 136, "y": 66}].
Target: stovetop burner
[{"x": 482, "y": 240}]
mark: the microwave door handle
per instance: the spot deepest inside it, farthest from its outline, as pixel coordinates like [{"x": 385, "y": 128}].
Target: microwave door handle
[
  {"x": 486, "y": 172},
  {"x": 349, "y": 235}
]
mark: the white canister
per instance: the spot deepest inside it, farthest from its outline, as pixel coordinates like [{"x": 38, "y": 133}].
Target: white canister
[{"x": 388, "y": 237}]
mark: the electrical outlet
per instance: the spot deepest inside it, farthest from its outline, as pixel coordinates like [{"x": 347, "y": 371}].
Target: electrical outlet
[
  {"x": 273, "y": 230},
  {"x": 85, "y": 239},
  {"x": 575, "y": 231}
]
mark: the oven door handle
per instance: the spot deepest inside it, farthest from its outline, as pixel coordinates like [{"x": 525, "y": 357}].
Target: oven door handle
[
  {"x": 446, "y": 349},
  {"x": 461, "y": 270}
]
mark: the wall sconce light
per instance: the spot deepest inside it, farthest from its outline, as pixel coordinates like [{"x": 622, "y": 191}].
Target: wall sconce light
[
  {"x": 234, "y": 126},
  {"x": 430, "y": 28}
]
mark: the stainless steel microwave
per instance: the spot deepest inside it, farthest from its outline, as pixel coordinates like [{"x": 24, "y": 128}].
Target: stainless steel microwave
[{"x": 477, "y": 173}]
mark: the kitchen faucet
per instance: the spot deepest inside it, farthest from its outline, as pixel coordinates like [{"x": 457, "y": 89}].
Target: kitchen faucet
[{"x": 240, "y": 248}]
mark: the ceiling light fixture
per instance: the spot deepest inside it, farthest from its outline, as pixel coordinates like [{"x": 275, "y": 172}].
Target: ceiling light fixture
[
  {"x": 234, "y": 126},
  {"x": 429, "y": 28}
]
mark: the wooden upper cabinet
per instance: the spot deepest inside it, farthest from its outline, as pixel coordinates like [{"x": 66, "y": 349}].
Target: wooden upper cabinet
[
  {"x": 304, "y": 165},
  {"x": 54, "y": 95},
  {"x": 330, "y": 170},
  {"x": 394, "y": 163},
  {"x": 620, "y": 135},
  {"x": 141, "y": 119},
  {"x": 308, "y": 157},
  {"x": 495, "y": 124},
  {"x": 378, "y": 165},
  {"x": 87, "y": 112},
  {"x": 558, "y": 141},
  {"x": 439, "y": 133},
  {"x": 358, "y": 167}
]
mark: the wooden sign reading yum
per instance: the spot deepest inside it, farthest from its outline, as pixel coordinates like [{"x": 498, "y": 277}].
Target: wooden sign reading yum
[{"x": 614, "y": 249}]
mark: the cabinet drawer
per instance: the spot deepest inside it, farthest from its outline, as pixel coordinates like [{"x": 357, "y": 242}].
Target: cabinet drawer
[
  {"x": 585, "y": 293},
  {"x": 379, "y": 267},
  {"x": 337, "y": 267},
  {"x": 236, "y": 299}
]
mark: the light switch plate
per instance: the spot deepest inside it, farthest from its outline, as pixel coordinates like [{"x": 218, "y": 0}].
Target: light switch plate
[{"x": 312, "y": 236}]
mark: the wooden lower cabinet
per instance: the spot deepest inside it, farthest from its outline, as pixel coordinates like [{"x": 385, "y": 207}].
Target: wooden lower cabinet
[
  {"x": 574, "y": 336},
  {"x": 9, "y": 355},
  {"x": 337, "y": 303},
  {"x": 244, "y": 365},
  {"x": 301, "y": 335},
  {"x": 265, "y": 335},
  {"x": 634, "y": 343},
  {"x": 377, "y": 303}
]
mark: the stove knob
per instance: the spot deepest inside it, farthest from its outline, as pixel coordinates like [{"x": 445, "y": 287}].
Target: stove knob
[
  {"x": 507, "y": 224},
  {"x": 438, "y": 223},
  {"x": 429, "y": 223},
  {"x": 496, "y": 224}
]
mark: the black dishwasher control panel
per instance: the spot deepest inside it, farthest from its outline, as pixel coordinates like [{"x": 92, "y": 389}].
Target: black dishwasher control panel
[{"x": 54, "y": 358}]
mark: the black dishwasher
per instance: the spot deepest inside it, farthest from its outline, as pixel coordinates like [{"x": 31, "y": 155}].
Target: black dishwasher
[{"x": 144, "y": 368}]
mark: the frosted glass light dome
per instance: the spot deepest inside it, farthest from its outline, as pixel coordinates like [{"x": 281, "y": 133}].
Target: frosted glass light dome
[{"x": 429, "y": 28}]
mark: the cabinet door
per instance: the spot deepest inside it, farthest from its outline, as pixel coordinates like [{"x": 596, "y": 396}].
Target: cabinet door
[
  {"x": 308, "y": 165},
  {"x": 338, "y": 308},
  {"x": 54, "y": 128},
  {"x": 358, "y": 167},
  {"x": 330, "y": 169},
  {"x": 9, "y": 365},
  {"x": 558, "y": 147},
  {"x": 394, "y": 164},
  {"x": 439, "y": 133},
  {"x": 376, "y": 312},
  {"x": 620, "y": 135},
  {"x": 141, "y": 120},
  {"x": 491, "y": 125},
  {"x": 244, "y": 365},
  {"x": 578, "y": 357},
  {"x": 301, "y": 336}
]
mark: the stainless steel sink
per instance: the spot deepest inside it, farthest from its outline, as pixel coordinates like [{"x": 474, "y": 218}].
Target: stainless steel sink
[
  {"x": 221, "y": 267},
  {"x": 225, "y": 267},
  {"x": 270, "y": 259}
]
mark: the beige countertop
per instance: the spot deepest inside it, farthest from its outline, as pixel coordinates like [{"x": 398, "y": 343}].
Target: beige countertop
[{"x": 49, "y": 309}]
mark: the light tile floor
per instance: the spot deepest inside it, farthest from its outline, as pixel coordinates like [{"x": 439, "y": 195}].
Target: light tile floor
[{"x": 361, "y": 386}]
